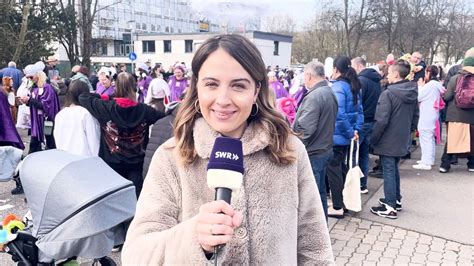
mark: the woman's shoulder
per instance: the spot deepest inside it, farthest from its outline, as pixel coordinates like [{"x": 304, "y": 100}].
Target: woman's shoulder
[{"x": 297, "y": 145}]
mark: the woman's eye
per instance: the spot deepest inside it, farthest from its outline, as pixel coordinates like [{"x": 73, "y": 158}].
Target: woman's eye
[
  {"x": 239, "y": 86},
  {"x": 211, "y": 84}
]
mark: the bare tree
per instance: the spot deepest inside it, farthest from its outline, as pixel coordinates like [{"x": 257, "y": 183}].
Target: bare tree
[
  {"x": 282, "y": 24},
  {"x": 24, "y": 28}
]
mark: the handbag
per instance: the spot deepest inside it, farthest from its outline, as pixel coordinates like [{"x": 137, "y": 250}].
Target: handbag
[
  {"x": 48, "y": 127},
  {"x": 351, "y": 191}
]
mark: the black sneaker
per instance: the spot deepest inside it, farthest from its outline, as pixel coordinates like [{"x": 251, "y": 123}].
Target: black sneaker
[
  {"x": 384, "y": 211},
  {"x": 17, "y": 191},
  {"x": 398, "y": 205}
]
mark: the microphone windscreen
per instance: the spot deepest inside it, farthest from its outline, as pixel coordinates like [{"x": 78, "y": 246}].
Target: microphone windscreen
[
  {"x": 227, "y": 154},
  {"x": 226, "y": 164}
]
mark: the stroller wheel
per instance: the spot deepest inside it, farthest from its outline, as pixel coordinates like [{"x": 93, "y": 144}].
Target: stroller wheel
[{"x": 106, "y": 261}]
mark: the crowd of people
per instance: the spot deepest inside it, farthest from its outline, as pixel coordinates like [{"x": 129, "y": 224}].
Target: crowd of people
[{"x": 296, "y": 128}]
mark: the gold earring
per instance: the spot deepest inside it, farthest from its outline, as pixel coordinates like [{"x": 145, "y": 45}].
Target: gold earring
[{"x": 196, "y": 106}]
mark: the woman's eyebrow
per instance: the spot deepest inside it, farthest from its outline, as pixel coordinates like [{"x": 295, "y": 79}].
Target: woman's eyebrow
[
  {"x": 242, "y": 79},
  {"x": 210, "y": 78},
  {"x": 234, "y": 80}
]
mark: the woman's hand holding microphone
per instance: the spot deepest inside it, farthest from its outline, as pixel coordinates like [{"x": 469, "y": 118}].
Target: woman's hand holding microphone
[{"x": 216, "y": 222}]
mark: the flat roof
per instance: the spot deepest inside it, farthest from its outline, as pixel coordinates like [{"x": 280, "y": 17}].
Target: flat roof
[{"x": 253, "y": 34}]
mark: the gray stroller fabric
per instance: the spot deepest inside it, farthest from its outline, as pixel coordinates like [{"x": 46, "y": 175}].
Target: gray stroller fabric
[
  {"x": 9, "y": 159},
  {"x": 78, "y": 204}
]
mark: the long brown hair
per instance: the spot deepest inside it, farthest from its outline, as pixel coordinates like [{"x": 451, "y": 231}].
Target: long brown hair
[
  {"x": 125, "y": 86},
  {"x": 267, "y": 118}
]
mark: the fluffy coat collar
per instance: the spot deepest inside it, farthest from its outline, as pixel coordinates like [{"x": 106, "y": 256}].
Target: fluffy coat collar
[{"x": 253, "y": 140}]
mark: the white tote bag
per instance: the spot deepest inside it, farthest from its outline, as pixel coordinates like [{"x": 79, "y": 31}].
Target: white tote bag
[{"x": 351, "y": 192}]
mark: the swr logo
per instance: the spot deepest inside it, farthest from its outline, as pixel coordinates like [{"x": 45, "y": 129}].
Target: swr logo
[{"x": 226, "y": 155}]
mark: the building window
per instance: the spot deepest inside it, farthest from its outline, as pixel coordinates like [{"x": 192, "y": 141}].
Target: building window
[
  {"x": 275, "y": 47},
  {"x": 153, "y": 27},
  {"x": 188, "y": 46},
  {"x": 143, "y": 26},
  {"x": 103, "y": 49},
  {"x": 167, "y": 46},
  {"x": 148, "y": 46}
]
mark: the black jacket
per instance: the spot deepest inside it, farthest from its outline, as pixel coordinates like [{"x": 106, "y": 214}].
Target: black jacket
[
  {"x": 371, "y": 89},
  {"x": 124, "y": 129},
  {"x": 421, "y": 73},
  {"x": 396, "y": 113},
  {"x": 161, "y": 131}
]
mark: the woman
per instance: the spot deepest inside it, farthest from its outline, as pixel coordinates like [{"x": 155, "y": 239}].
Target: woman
[
  {"x": 349, "y": 122},
  {"x": 276, "y": 85},
  {"x": 178, "y": 83},
  {"x": 460, "y": 130},
  {"x": 124, "y": 124},
  {"x": 76, "y": 130},
  {"x": 276, "y": 217},
  {"x": 44, "y": 105},
  {"x": 429, "y": 95},
  {"x": 105, "y": 85},
  {"x": 158, "y": 91},
  {"x": 144, "y": 81}
]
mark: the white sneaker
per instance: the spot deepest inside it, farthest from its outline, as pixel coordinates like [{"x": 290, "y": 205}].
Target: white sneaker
[
  {"x": 418, "y": 162},
  {"x": 335, "y": 213},
  {"x": 421, "y": 166}
]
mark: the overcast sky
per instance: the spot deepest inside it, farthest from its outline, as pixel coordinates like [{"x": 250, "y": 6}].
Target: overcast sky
[{"x": 300, "y": 10}]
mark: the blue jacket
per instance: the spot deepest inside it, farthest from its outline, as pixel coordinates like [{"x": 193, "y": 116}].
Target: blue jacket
[
  {"x": 15, "y": 74},
  {"x": 350, "y": 117}
]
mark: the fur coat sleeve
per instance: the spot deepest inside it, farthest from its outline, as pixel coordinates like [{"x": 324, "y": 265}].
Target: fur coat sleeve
[
  {"x": 156, "y": 236},
  {"x": 314, "y": 244}
]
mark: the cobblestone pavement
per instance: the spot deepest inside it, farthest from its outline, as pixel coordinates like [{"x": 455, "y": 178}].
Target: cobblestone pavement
[{"x": 362, "y": 242}]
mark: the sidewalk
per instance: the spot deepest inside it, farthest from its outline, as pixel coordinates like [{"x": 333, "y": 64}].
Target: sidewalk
[{"x": 434, "y": 228}]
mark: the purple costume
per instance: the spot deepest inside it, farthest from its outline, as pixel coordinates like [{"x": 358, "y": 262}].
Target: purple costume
[
  {"x": 279, "y": 90},
  {"x": 177, "y": 88},
  {"x": 103, "y": 90},
  {"x": 8, "y": 133},
  {"x": 143, "y": 88},
  {"x": 50, "y": 103},
  {"x": 299, "y": 95}
]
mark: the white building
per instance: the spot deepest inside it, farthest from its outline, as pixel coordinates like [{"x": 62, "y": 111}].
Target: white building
[
  {"x": 118, "y": 22},
  {"x": 169, "y": 49}
]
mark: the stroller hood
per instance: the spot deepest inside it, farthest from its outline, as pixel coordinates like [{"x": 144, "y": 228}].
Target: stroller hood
[{"x": 78, "y": 204}]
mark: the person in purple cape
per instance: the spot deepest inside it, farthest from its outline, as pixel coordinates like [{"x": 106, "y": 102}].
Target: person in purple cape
[
  {"x": 178, "y": 83},
  {"x": 276, "y": 85},
  {"x": 8, "y": 133},
  {"x": 144, "y": 81},
  {"x": 44, "y": 105},
  {"x": 105, "y": 86}
]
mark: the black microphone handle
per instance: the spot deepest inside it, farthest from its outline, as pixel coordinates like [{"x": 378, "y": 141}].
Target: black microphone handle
[{"x": 223, "y": 193}]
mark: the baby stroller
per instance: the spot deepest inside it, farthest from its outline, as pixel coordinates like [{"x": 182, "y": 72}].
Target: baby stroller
[{"x": 80, "y": 207}]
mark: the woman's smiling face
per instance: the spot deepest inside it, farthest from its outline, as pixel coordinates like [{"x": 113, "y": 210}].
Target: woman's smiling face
[{"x": 226, "y": 93}]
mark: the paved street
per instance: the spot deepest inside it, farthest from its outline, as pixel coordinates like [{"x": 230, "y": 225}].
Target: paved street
[{"x": 434, "y": 228}]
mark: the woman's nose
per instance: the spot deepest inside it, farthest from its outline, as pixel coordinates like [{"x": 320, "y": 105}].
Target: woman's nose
[{"x": 223, "y": 96}]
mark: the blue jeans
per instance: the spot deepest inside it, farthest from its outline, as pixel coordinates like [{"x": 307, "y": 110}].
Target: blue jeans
[
  {"x": 391, "y": 180},
  {"x": 364, "y": 144},
  {"x": 318, "y": 164}
]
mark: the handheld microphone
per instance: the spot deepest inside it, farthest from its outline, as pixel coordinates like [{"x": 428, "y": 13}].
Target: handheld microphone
[{"x": 225, "y": 170}]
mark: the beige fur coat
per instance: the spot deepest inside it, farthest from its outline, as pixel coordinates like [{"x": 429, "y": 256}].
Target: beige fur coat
[{"x": 283, "y": 220}]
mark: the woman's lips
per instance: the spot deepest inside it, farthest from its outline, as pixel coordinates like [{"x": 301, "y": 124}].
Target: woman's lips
[{"x": 223, "y": 115}]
